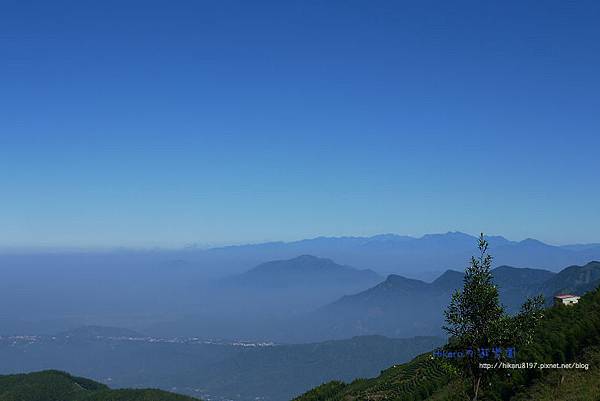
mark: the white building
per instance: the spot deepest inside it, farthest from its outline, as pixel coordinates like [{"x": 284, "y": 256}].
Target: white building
[{"x": 566, "y": 299}]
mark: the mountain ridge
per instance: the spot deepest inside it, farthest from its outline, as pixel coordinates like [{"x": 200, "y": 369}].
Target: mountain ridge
[
  {"x": 397, "y": 307},
  {"x": 427, "y": 378},
  {"x": 300, "y": 266}
]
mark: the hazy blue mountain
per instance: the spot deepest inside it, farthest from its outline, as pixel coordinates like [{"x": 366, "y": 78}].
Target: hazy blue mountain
[
  {"x": 508, "y": 277},
  {"x": 145, "y": 289},
  {"x": 581, "y": 247},
  {"x": 573, "y": 280},
  {"x": 305, "y": 272},
  {"x": 384, "y": 253},
  {"x": 406, "y": 307},
  {"x": 409, "y": 256},
  {"x": 258, "y": 303},
  {"x": 449, "y": 280},
  {"x": 396, "y": 307}
]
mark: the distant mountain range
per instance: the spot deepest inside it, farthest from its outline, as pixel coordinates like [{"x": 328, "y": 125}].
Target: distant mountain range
[
  {"x": 400, "y": 307},
  {"x": 394, "y": 307},
  {"x": 222, "y": 292},
  {"x": 409, "y": 256},
  {"x": 385, "y": 253}
]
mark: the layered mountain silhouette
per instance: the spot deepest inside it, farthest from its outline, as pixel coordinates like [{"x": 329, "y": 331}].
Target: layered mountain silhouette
[
  {"x": 414, "y": 257},
  {"x": 222, "y": 292},
  {"x": 384, "y": 253},
  {"x": 401, "y": 307},
  {"x": 252, "y": 304},
  {"x": 293, "y": 285},
  {"x": 305, "y": 272}
]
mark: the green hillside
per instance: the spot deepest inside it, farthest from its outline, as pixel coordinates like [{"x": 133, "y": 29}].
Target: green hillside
[
  {"x": 567, "y": 385},
  {"x": 418, "y": 378},
  {"x": 566, "y": 334},
  {"x": 53, "y": 385}
]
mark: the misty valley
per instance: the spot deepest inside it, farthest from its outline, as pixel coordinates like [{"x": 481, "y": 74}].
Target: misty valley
[{"x": 267, "y": 321}]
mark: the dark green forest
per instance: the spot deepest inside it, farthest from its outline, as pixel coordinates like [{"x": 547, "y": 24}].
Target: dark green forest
[{"x": 53, "y": 385}]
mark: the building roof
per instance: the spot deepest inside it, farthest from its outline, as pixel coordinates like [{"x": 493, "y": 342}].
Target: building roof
[{"x": 565, "y": 296}]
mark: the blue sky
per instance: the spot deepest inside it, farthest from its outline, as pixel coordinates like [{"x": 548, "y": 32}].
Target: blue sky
[{"x": 144, "y": 123}]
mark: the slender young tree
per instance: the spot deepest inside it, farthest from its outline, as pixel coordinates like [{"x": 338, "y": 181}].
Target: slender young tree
[{"x": 476, "y": 321}]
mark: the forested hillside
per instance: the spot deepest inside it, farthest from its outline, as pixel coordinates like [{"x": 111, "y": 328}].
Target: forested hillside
[
  {"x": 566, "y": 334},
  {"x": 53, "y": 385}
]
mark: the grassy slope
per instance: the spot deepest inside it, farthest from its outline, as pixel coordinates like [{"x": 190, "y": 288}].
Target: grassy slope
[
  {"x": 567, "y": 334},
  {"x": 567, "y": 385},
  {"x": 52, "y": 385},
  {"x": 414, "y": 380}
]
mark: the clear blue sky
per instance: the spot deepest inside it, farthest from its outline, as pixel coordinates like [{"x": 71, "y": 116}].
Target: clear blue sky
[{"x": 144, "y": 123}]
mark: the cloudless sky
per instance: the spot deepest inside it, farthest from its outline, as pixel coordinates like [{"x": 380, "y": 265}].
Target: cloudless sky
[{"x": 145, "y": 123}]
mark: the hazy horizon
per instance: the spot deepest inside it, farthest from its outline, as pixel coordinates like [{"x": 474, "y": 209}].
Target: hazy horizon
[
  {"x": 206, "y": 246},
  {"x": 237, "y": 122}
]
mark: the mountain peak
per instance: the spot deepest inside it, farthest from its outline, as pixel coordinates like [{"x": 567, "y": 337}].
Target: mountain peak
[
  {"x": 305, "y": 270},
  {"x": 532, "y": 242},
  {"x": 390, "y": 237},
  {"x": 449, "y": 279},
  {"x": 397, "y": 281},
  {"x": 310, "y": 258},
  {"x": 449, "y": 236}
]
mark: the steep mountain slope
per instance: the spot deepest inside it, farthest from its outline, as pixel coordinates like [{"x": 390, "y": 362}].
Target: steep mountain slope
[
  {"x": 414, "y": 380},
  {"x": 402, "y": 307},
  {"x": 573, "y": 279},
  {"x": 516, "y": 284},
  {"x": 396, "y": 307},
  {"x": 52, "y": 385},
  {"x": 566, "y": 334}
]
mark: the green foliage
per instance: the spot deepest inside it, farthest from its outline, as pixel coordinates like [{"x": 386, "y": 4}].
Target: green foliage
[
  {"x": 475, "y": 318},
  {"x": 331, "y": 391},
  {"x": 565, "y": 334},
  {"x": 413, "y": 381},
  {"x": 567, "y": 385},
  {"x": 52, "y": 385}
]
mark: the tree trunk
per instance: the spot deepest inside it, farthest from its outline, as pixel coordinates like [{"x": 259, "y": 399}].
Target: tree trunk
[{"x": 476, "y": 387}]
